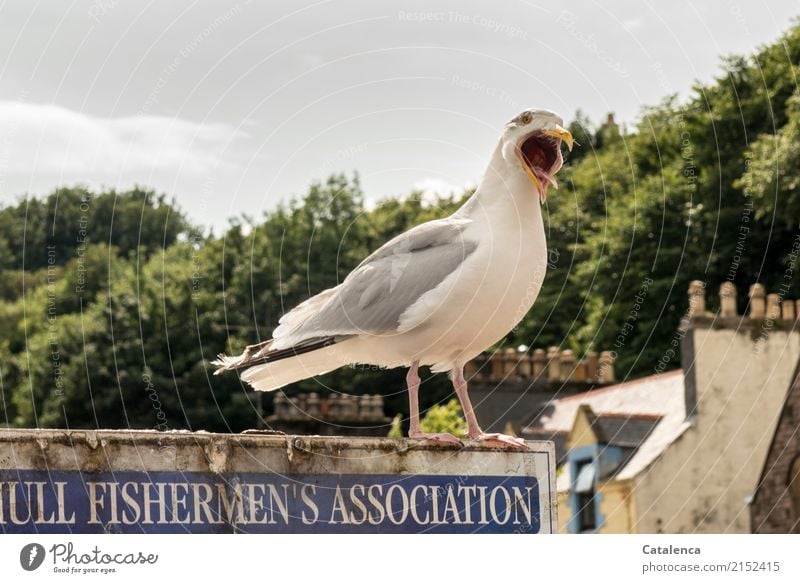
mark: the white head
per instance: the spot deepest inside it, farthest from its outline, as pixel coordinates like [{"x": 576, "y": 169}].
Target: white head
[{"x": 532, "y": 140}]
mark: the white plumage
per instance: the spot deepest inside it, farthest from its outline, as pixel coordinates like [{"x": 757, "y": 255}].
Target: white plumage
[{"x": 438, "y": 294}]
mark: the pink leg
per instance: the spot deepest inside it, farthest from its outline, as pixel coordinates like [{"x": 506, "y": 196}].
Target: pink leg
[
  {"x": 412, "y": 379},
  {"x": 473, "y": 429}
]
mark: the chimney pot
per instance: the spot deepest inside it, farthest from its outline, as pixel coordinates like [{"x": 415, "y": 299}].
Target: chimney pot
[
  {"x": 758, "y": 307},
  {"x": 591, "y": 366},
  {"x": 789, "y": 312},
  {"x": 567, "y": 365},
  {"x": 727, "y": 300},
  {"x": 697, "y": 298},
  {"x": 539, "y": 362},
  {"x": 773, "y": 306},
  {"x": 553, "y": 368},
  {"x": 605, "y": 372},
  {"x": 525, "y": 365},
  {"x": 496, "y": 365},
  {"x": 509, "y": 363}
]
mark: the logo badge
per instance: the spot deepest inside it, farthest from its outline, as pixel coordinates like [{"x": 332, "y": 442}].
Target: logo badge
[{"x": 31, "y": 556}]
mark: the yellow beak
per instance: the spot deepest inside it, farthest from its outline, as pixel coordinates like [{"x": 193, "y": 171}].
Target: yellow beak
[
  {"x": 559, "y": 132},
  {"x": 531, "y": 175}
]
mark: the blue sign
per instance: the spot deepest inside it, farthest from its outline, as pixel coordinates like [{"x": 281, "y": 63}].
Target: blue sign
[{"x": 35, "y": 501}]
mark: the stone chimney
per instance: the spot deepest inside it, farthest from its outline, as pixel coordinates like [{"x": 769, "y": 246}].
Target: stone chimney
[
  {"x": 766, "y": 313},
  {"x": 554, "y": 366}
]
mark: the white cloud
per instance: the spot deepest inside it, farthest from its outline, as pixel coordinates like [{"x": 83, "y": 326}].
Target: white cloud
[
  {"x": 434, "y": 188},
  {"x": 52, "y": 140}
]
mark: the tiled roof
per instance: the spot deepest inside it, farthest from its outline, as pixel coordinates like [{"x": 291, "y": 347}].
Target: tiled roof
[
  {"x": 646, "y": 415},
  {"x": 625, "y": 430}
]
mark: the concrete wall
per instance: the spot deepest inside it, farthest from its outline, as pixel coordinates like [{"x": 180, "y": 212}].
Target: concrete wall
[
  {"x": 146, "y": 481},
  {"x": 739, "y": 370}
]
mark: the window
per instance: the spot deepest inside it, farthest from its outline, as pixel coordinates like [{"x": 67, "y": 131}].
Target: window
[
  {"x": 584, "y": 496},
  {"x": 587, "y": 520}
]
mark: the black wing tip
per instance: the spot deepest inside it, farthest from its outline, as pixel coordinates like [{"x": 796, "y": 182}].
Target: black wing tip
[{"x": 224, "y": 362}]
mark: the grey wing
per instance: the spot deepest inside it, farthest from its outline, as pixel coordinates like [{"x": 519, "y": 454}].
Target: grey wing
[{"x": 372, "y": 298}]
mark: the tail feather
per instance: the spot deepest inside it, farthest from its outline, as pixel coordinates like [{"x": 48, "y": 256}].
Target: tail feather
[
  {"x": 250, "y": 353},
  {"x": 267, "y": 369},
  {"x": 279, "y": 373}
]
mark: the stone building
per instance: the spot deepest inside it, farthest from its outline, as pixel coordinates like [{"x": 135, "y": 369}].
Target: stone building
[
  {"x": 505, "y": 382},
  {"x": 501, "y": 384},
  {"x": 682, "y": 451},
  {"x": 337, "y": 414},
  {"x": 775, "y": 507}
]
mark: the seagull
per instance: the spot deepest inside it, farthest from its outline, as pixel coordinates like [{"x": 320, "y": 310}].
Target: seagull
[{"x": 437, "y": 295}]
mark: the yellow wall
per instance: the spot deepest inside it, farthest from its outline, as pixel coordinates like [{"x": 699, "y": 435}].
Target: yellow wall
[
  {"x": 616, "y": 507},
  {"x": 582, "y": 433},
  {"x": 564, "y": 514}
]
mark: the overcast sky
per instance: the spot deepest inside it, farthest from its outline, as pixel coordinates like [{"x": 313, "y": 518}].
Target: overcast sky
[{"x": 234, "y": 108}]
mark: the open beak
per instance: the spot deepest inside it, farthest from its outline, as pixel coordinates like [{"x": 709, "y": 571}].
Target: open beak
[{"x": 540, "y": 156}]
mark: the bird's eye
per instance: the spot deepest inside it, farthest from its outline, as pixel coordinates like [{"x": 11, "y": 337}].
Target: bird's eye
[{"x": 525, "y": 118}]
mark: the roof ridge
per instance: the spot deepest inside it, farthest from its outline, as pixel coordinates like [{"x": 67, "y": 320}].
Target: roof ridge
[
  {"x": 619, "y": 386},
  {"x": 642, "y": 416}
]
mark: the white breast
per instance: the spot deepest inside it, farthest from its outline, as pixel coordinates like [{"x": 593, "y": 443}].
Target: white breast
[{"x": 493, "y": 290}]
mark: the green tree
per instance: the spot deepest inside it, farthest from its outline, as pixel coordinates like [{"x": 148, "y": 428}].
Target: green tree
[{"x": 445, "y": 418}]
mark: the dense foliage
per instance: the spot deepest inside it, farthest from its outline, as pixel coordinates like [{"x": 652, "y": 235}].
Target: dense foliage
[{"x": 112, "y": 304}]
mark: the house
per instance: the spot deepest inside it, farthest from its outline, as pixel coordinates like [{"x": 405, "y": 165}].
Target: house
[
  {"x": 504, "y": 382},
  {"x": 336, "y": 414},
  {"x": 606, "y": 440},
  {"x": 684, "y": 451}
]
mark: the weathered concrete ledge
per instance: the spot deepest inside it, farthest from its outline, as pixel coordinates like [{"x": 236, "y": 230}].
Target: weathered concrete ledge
[{"x": 180, "y": 481}]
